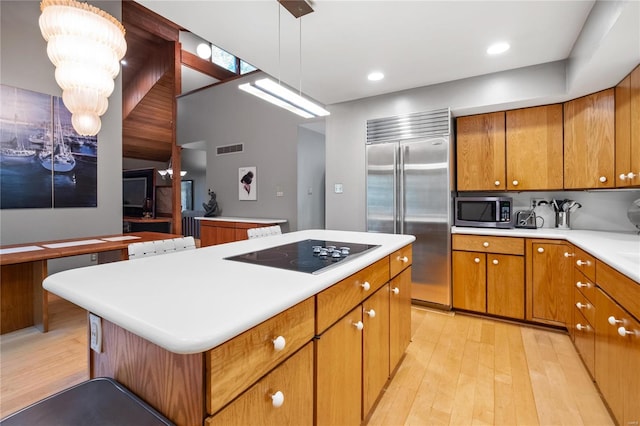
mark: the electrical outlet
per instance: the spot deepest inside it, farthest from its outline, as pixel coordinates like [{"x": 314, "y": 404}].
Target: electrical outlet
[
  {"x": 536, "y": 201},
  {"x": 95, "y": 329},
  {"x": 94, "y": 257}
]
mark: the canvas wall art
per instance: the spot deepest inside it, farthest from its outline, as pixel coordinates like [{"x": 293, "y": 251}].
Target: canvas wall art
[{"x": 44, "y": 163}]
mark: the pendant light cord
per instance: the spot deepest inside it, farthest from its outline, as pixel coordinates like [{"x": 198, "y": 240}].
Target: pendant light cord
[{"x": 300, "y": 65}]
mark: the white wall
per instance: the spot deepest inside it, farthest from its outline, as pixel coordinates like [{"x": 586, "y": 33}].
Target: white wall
[
  {"x": 224, "y": 115},
  {"x": 311, "y": 175},
  {"x": 24, "y": 64}
]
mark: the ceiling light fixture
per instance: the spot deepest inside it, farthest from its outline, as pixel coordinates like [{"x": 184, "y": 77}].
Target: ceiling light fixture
[
  {"x": 275, "y": 93},
  {"x": 204, "y": 50},
  {"x": 498, "y": 48},
  {"x": 375, "y": 76},
  {"x": 86, "y": 45},
  {"x": 169, "y": 171}
]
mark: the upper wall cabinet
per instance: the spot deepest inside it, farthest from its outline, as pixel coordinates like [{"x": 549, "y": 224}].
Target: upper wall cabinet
[
  {"x": 534, "y": 148},
  {"x": 589, "y": 141},
  {"x": 480, "y": 152},
  {"x": 628, "y": 130},
  {"x": 518, "y": 150}
]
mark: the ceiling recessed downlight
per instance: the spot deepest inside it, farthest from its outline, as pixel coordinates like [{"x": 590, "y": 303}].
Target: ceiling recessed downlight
[
  {"x": 375, "y": 76},
  {"x": 498, "y": 48}
]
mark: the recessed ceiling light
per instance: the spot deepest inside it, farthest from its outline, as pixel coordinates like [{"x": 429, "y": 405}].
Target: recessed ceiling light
[
  {"x": 204, "y": 50},
  {"x": 375, "y": 76},
  {"x": 498, "y": 48}
]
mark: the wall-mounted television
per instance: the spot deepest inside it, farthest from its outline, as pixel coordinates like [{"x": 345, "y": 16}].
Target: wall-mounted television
[{"x": 137, "y": 185}]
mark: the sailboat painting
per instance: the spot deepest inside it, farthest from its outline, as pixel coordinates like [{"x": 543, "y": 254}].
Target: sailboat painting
[{"x": 44, "y": 163}]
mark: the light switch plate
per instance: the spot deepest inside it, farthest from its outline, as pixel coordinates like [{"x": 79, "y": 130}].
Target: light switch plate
[{"x": 337, "y": 188}]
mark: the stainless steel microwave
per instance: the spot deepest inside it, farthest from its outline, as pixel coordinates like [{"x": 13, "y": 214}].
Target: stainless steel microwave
[{"x": 484, "y": 212}]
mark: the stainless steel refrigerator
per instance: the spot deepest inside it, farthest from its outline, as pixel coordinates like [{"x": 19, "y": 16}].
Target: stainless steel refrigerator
[{"x": 409, "y": 191}]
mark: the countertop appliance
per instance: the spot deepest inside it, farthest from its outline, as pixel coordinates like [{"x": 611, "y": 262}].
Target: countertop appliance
[
  {"x": 409, "y": 192},
  {"x": 484, "y": 212},
  {"x": 526, "y": 219},
  {"x": 310, "y": 256}
]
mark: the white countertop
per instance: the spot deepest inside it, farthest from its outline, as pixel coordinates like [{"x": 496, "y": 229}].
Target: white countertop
[
  {"x": 242, "y": 219},
  {"x": 620, "y": 250},
  {"x": 192, "y": 301}
]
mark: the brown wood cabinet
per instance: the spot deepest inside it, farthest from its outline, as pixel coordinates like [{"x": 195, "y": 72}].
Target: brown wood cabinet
[
  {"x": 549, "y": 282},
  {"x": 339, "y": 372},
  {"x": 399, "y": 317},
  {"x": 214, "y": 232},
  {"x": 363, "y": 328},
  {"x": 589, "y": 141},
  {"x": 480, "y": 152},
  {"x": 534, "y": 144},
  {"x": 487, "y": 280},
  {"x": 627, "y": 112},
  {"x": 293, "y": 380},
  {"x": 617, "y": 359},
  {"x": 375, "y": 347}
]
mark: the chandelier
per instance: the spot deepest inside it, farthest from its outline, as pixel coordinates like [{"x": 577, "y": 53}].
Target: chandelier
[
  {"x": 86, "y": 45},
  {"x": 169, "y": 171}
]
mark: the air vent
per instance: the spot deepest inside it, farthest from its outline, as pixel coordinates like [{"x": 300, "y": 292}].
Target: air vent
[
  {"x": 229, "y": 149},
  {"x": 409, "y": 126}
]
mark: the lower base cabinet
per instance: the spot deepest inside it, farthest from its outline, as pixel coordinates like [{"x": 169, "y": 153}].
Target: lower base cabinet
[
  {"x": 283, "y": 397},
  {"x": 399, "y": 317},
  {"x": 617, "y": 359},
  {"x": 339, "y": 372},
  {"x": 375, "y": 344},
  {"x": 549, "y": 282}
]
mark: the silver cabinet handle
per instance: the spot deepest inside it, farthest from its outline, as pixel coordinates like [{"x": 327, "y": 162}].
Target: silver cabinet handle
[
  {"x": 477, "y": 260},
  {"x": 540, "y": 250},
  {"x": 583, "y": 262},
  {"x": 495, "y": 261}
]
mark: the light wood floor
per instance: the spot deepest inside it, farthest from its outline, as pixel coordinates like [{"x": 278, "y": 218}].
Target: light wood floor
[{"x": 458, "y": 370}]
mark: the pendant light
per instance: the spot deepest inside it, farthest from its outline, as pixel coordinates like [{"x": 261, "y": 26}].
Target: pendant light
[
  {"x": 169, "y": 171},
  {"x": 277, "y": 94}
]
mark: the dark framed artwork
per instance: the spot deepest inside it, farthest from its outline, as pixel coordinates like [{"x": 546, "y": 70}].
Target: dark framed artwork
[{"x": 44, "y": 163}]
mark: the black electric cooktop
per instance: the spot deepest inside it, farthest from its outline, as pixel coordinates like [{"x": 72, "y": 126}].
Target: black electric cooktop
[{"x": 310, "y": 256}]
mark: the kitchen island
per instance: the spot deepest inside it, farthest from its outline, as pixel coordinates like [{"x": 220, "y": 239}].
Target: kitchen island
[{"x": 196, "y": 335}]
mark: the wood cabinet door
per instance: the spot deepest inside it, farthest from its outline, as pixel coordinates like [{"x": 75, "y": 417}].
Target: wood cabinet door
[
  {"x": 632, "y": 381},
  {"x": 589, "y": 138},
  {"x": 469, "y": 281},
  {"x": 293, "y": 379},
  {"x": 550, "y": 289},
  {"x": 609, "y": 355},
  {"x": 505, "y": 285},
  {"x": 534, "y": 148},
  {"x": 480, "y": 152},
  {"x": 627, "y": 112},
  {"x": 375, "y": 344},
  {"x": 399, "y": 317},
  {"x": 339, "y": 372}
]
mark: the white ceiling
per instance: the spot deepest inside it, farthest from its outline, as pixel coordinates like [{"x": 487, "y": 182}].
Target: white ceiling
[{"x": 414, "y": 43}]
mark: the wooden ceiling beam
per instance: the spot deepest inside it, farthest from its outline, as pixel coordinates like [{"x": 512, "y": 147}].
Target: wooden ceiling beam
[
  {"x": 138, "y": 15},
  {"x": 204, "y": 66},
  {"x": 146, "y": 77}
]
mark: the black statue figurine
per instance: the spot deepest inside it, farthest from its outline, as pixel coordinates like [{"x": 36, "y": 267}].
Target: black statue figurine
[{"x": 211, "y": 209}]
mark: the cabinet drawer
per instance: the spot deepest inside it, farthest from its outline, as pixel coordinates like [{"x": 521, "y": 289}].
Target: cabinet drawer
[
  {"x": 586, "y": 286},
  {"x": 233, "y": 366},
  {"x": 503, "y": 245},
  {"x": 584, "y": 339},
  {"x": 399, "y": 260},
  {"x": 585, "y": 306},
  {"x": 621, "y": 288},
  {"x": 585, "y": 263},
  {"x": 343, "y": 296},
  {"x": 294, "y": 379}
]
